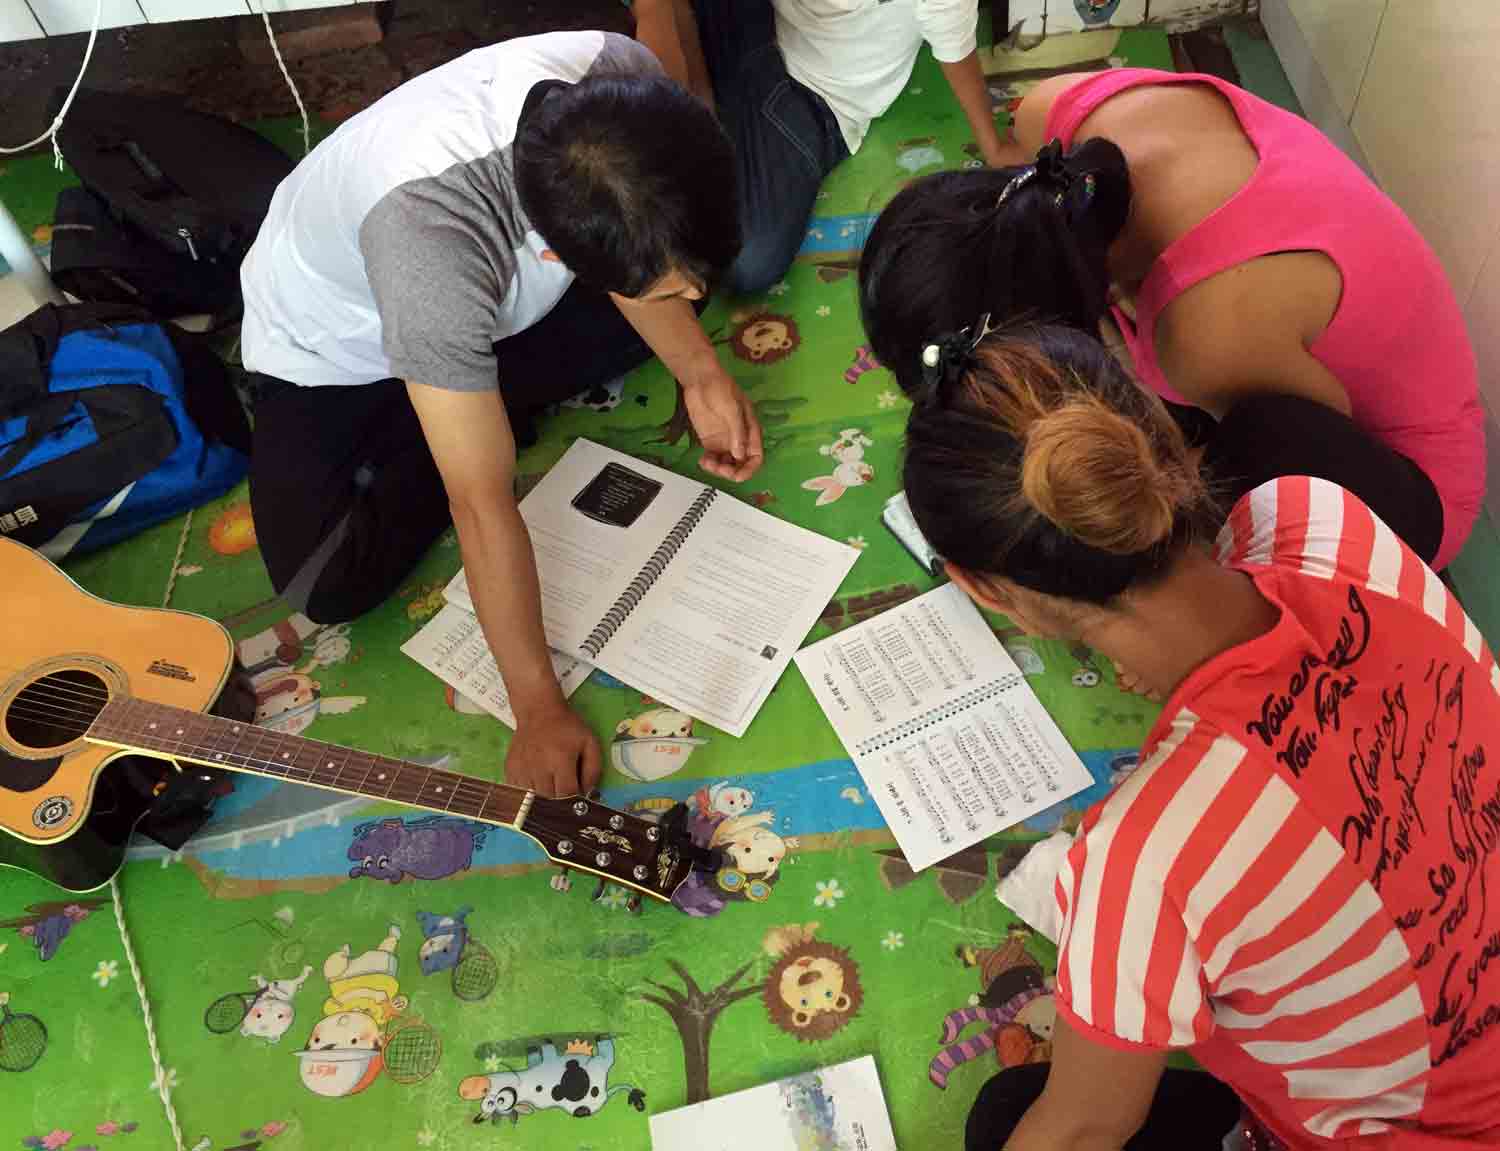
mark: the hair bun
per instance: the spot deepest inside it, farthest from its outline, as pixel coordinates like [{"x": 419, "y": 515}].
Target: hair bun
[{"x": 1096, "y": 474}]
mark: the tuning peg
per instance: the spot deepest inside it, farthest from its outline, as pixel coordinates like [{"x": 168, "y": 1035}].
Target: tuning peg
[
  {"x": 562, "y": 881},
  {"x": 633, "y": 904},
  {"x": 598, "y": 896}
]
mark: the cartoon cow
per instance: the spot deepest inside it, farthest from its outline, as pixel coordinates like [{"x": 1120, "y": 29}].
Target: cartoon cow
[{"x": 577, "y": 1081}]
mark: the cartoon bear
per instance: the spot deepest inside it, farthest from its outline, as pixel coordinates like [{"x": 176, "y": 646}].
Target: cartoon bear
[{"x": 272, "y": 1013}]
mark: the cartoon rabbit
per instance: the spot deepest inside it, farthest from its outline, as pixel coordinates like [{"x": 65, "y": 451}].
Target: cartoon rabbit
[{"x": 850, "y": 471}]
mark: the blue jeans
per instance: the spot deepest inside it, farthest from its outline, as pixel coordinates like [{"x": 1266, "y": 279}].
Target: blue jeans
[{"x": 786, "y": 138}]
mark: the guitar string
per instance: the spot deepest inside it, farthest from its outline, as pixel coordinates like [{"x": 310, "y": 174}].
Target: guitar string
[
  {"x": 67, "y": 687},
  {"x": 537, "y": 824}
]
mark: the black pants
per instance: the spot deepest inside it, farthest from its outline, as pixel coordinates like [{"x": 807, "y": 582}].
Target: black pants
[
  {"x": 1192, "y": 1111},
  {"x": 786, "y": 138},
  {"x": 344, "y": 490},
  {"x": 1265, "y": 436}
]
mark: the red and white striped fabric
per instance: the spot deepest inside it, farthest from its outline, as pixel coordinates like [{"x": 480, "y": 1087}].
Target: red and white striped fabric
[{"x": 1300, "y": 881}]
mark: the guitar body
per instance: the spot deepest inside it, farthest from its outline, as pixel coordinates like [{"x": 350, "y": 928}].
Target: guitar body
[{"x": 63, "y": 656}]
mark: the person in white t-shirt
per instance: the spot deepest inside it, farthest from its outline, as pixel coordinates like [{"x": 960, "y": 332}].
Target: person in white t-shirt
[
  {"x": 524, "y": 223},
  {"x": 796, "y": 84}
]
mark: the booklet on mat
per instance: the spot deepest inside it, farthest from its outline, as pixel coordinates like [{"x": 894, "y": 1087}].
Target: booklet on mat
[
  {"x": 940, "y": 722},
  {"x": 671, "y": 586},
  {"x": 452, "y": 647},
  {"x": 839, "y": 1108}
]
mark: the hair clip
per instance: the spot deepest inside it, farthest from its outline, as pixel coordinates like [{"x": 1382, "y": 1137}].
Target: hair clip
[{"x": 1016, "y": 183}]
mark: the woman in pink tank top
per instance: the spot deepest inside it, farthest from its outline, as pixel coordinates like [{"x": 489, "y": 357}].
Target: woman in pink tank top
[{"x": 1253, "y": 271}]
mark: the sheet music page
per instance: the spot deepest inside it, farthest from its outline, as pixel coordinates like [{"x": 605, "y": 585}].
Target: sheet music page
[
  {"x": 839, "y": 1108},
  {"x": 940, "y": 722},
  {"x": 453, "y": 648},
  {"x": 718, "y": 628}
]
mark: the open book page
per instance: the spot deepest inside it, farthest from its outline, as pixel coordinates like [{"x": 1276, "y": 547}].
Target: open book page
[
  {"x": 595, "y": 519},
  {"x": 839, "y": 1108},
  {"x": 720, "y": 624},
  {"x": 951, "y": 741},
  {"x": 452, "y": 647}
]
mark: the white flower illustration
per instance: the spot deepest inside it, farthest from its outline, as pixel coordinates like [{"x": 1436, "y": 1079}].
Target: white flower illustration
[
  {"x": 887, "y": 399},
  {"x": 284, "y": 916},
  {"x": 107, "y": 970},
  {"x": 916, "y": 91},
  {"x": 427, "y": 1137},
  {"x": 780, "y": 289},
  {"x": 815, "y": 233},
  {"x": 829, "y": 893},
  {"x": 824, "y": 310},
  {"x": 165, "y": 1079},
  {"x": 858, "y": 542},
  {"x": 615, "y": 898},
  {"x": 893, "y": 940},
  {"x": 189, "y": 569},
  {"x": 492, "y": 1063}
]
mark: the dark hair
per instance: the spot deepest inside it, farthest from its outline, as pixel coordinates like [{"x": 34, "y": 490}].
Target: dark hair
[
  {"x": 955, "y": 245},
  {"x": 1032, "y": 455},
  {"x": 626, "y": 178}
]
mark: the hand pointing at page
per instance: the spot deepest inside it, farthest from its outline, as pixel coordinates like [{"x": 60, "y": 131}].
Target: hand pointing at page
[{"x": 725, "y": 421}]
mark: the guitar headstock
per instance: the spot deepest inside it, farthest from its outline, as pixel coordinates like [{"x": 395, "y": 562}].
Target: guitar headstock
[{"x": 645, "y": 856}]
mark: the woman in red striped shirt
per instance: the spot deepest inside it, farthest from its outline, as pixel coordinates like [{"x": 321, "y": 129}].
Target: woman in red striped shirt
[{"x": 1298, "y": 885}]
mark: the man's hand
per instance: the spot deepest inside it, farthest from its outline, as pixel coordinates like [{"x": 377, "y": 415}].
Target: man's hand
[
  {"x": 553, "y": 753},
  {"x": 724, "y": 419}
]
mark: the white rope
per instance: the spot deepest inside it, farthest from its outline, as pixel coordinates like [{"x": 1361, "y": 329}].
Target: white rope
[
  {"x": 51, "y": 132},
  {"x": 290, "y": 83},
  {"x": 159, "y": 1071},
  {"x": 187, "y": 526},
  {"x": 163, "y": 1088}
]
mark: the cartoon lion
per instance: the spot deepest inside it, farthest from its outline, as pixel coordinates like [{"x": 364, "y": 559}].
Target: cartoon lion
[
  {"x": 764, "y": 337},
  {"x": 813, "y": 989}
]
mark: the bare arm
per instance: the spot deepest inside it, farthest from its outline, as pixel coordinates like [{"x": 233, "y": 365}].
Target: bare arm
[
  {"x": 670, "y": 30},
  {"x": 1096, "y": 1097},
  {"x": 966, "y": 78},
  {"x": 470, "y": 437},
  {"x": 722, "y": 415}
]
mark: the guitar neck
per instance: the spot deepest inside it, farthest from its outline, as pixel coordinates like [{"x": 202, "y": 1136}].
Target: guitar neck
[{"x": 140, "y": 725}]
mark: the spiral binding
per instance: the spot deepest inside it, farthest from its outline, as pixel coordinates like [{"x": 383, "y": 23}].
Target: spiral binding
[
  {"x": 650, "y": 572},
  {"x": 938, "y": 715}
]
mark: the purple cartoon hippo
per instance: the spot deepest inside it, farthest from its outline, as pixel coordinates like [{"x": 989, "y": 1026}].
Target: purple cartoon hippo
[{"x": 428, "y": 848}]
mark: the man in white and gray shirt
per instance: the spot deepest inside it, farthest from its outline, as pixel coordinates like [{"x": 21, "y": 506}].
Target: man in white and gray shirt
[
  {"x": 797, "y": 83},
  {"x": 498, "y": 234}
]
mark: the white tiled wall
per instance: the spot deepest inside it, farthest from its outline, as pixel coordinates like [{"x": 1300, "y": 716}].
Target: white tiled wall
[{"x": 59, "y": 17}]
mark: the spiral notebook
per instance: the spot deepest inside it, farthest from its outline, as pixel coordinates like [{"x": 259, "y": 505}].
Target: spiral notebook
[
  {"x": 951, "y": 741},
  {"x": 671, "y": 586}
]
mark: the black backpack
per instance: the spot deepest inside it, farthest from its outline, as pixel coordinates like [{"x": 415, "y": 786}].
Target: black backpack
[{"x": 171, "y": 202}]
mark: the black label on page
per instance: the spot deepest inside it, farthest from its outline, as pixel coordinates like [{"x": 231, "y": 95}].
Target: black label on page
[{"x": 616, "y": 496}]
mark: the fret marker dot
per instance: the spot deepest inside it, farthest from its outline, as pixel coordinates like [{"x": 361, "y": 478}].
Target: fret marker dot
[
  {"x": 330, "y": 763},
  {"x": 152, "y": 726},
  {"x": 286, "y": 755},
  {"x": 440, "y": 791},
  {"x": 236, "y": 730},
  {"x": 219, "y": 756},
  {"x": 381, "y": 775},
  {"x": 179, "y": 731}
]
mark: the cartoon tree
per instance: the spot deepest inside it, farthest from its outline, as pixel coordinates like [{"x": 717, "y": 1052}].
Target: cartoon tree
[{"x": 695, "y": 1012}]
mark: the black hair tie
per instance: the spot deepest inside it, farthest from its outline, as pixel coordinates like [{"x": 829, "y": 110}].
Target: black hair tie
[{"x": 946, "y": 359}]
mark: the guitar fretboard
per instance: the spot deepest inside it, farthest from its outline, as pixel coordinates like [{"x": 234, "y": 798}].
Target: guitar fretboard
[{"x": 216, "y": 742}]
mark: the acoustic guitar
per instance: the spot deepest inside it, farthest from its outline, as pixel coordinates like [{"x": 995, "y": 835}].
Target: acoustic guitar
[{"x": 85, "y": 684}]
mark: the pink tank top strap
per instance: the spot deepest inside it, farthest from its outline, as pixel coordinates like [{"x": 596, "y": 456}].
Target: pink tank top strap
[{"x": 1074, "y": 105}]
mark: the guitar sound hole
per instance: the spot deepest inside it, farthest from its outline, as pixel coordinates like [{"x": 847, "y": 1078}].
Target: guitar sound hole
[{"x": 55, "y": 710}]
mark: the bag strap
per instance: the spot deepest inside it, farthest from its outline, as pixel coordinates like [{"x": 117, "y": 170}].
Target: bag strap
[{"x": 43, "y": 420}]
